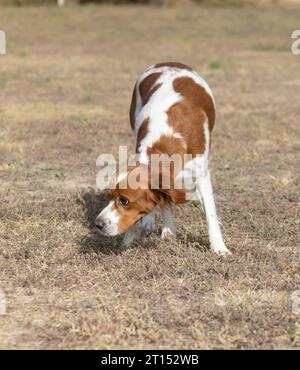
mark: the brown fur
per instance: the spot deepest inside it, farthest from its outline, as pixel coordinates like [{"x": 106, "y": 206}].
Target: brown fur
[
  {"x": 148, "y": 86},
  {"x": 144, "y": 199},
  {"x": 188, "y": 116},
  {"x": 174, "y": 65},
  {"x": 196, "y": 98},
  {"x": 167, "y": 145}
]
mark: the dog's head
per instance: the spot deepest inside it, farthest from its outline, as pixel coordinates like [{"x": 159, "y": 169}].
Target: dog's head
[{"x": 132, "y": 197}]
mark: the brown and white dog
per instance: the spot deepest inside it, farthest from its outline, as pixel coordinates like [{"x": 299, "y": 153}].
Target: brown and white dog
[{"x": 172, "y": 112}]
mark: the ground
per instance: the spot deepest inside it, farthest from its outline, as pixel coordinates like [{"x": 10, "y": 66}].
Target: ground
[{"x": 66, "y": 85}]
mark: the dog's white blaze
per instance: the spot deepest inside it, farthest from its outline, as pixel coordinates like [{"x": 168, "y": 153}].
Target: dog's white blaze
[{"x": 111, "y": 215}]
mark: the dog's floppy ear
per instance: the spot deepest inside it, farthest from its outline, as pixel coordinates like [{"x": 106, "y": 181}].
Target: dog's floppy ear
[
  {"x": 156, "y": 196},
  {"x": 165, "y": 193},
  {"x": 177, "y": 196}
]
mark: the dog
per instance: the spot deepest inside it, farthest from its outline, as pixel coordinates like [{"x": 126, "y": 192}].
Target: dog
[{"x": 172, "y": 112}]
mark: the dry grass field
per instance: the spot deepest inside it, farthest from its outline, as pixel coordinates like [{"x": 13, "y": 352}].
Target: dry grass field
[{"x": 65, "y": 89}]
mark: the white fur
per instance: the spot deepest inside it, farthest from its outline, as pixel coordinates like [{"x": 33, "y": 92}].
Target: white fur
[
  {"x": 205, "y": 193},
  {"x": 168, "y": 228},
  {"x": 111, "y": 216}
]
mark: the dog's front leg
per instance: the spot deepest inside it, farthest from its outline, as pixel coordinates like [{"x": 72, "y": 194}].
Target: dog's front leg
[
  {"x": 131, "y": 235},
  {"x": 168, "y": 228},
  {"x": 204, "y": 189},
  {"x": 140, "y": 230},
  {"x": 148, "y": 224}
]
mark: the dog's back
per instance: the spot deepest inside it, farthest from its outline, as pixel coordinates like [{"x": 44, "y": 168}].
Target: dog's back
[{"x": 172, "y": 110}]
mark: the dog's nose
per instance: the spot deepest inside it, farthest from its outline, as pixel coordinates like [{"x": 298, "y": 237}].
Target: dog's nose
[{"x": 100, "y": 224}]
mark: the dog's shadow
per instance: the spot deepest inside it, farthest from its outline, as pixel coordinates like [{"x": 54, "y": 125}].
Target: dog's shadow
[{"x": 92, "y": 203}]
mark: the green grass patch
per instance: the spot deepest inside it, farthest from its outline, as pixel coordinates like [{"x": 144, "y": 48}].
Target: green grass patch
[
  {"x": 48, "y": 167},
  {"x": 83, "y": 120},
  {"x": 215, "y": 63},
  {"x": 87, "y": 98}
]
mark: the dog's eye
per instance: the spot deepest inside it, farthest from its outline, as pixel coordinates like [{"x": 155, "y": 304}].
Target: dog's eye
[{"x": 123, "y": 201}]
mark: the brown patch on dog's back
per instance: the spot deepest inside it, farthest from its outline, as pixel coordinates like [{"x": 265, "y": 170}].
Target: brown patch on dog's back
[
  {"x": 196, "y": 97},
  {"x": 190, "y": 124},
  {"x": 188, "y": 116},
  {"x": 167, "y": 144},
  {"x": 148, "y": 86},
  {"x": 143, "y": 130},
  {"x": 174, "y": 65}
]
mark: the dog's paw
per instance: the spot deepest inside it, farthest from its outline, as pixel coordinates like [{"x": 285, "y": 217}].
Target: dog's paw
[
  {"x": 125, "y": 243},
  {"x": 168, "y": 233},
  {"x": 129, "y": 238},
  {"x": 221, "y": 250}
]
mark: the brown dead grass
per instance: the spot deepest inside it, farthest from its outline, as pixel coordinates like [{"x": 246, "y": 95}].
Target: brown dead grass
[{"x": 65, "y": 91}]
